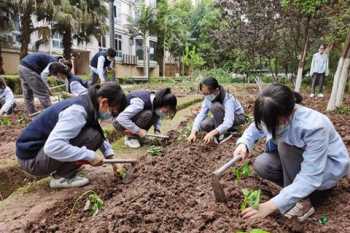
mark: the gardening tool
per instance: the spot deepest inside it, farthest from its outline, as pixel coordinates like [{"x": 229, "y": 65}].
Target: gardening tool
[
  {"x": 34, "y": 114},
  {"x": 157, "y": 136},
  {"x": 128, "y": 177},
  {"x": 219, "y": 192}
]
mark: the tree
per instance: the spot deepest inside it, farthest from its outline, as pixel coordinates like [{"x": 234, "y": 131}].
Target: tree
[
  {"x": 5, "y": 26},
  {"x": 144, "y": 25},
  {"x": 25, "y": 9}
]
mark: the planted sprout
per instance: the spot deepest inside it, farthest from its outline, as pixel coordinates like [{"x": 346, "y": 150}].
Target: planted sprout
[
  {"x": 324, "y": 219},
  {"x": 251, "y": 198},
  {"x": 93, "y": 203},
  {"x": 240, "y": 172},
  {"x": 154, "y": 150},
  {"x": 5, "y": 121}
]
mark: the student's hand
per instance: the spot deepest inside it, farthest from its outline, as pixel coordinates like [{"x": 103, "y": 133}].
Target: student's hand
[
  {"x": 118, "y": 169},
  {"x": 142, "y": 133},
  {"x": 98, "y": 161},
  {"x": 192, "y": 137},
  {"x": 262, "y": 211},
  {"x": 209, "y": 136},
  {"x": 241, "y": 151}
]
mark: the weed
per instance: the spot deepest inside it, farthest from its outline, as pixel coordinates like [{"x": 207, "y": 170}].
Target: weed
[
  {"x": 343, "y": 110},
  {"x": 251, "y": 198},
  {"x": 324, "y": 219},
  {"x": 154, "y": 150},
  {"x": 5, "y": 121}
]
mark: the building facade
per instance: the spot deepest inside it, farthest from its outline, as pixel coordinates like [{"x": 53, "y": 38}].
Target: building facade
[{"x": 129, "y": 49}]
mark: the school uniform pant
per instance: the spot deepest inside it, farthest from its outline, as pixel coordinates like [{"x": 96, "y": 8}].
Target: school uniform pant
[
  {"x": 42, "y": 165},
  {"x": 218, "y": 112},
  {"x": 317, "y": 79},
  {"x": 144, "y": 120},
  {"x": 32, "y": 84},
  {"x": 95, "y": 77}
]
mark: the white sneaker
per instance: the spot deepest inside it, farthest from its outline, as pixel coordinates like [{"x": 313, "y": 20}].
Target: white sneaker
[
  {"x": 300, "y": 211},
  {"x": 76, "y": 181},
  {"x": 312, "y": 95},
  {"x": 132, "y": 142},
  {"x": 320, "y": 95}
]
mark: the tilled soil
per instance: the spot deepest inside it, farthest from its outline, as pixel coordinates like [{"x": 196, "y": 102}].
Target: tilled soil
[{"x": 172, "y": 193}]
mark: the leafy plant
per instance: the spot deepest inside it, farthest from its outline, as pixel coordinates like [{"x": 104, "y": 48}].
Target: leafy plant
[
  {"x": 154, "y": 150},
  {"x": 243, "y": 171},
  {"x": 251, "y": 198},
  {"x": 93, "y": 203},
  {"x": 324, "y": 219},
  {"x": 5, "y": 121}
]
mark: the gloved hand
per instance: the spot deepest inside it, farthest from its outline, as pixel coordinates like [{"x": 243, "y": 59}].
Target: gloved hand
[{"x": 98, "y": 161}]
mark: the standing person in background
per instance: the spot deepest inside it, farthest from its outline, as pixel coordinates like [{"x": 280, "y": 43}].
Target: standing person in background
[
  {"x": 34, "y": 70},
  {"x": 7, "y": 100},
  {"x": 319, "y": 70},
  {"x": 227, "y": 113},
  {"x": 100, "y": 64},
  {"x": 144, "y": 109}
]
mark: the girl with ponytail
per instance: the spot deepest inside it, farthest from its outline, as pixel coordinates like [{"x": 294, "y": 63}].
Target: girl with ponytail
[
  {"x": 304, "y": 153},
  {"x": 145, "y": 109}
]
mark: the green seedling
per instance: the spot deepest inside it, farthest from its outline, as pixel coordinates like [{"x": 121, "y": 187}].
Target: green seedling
[
  {"x": 154, "y": 150},
  {"x": 324, "y": 219},
  {"x": 93, "y": 203},
  {"x": 254, "y": 231},
  {"x": 251, "y": 198},
  {"x": 240, "y": 172},
  {"x": 5, "y": 121}
]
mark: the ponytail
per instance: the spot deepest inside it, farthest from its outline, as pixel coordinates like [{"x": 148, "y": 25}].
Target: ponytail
[
  {"x": 164, "y": 98},
  {"x": 297, "y": 97},
  {"x": 110, "y": 90}
]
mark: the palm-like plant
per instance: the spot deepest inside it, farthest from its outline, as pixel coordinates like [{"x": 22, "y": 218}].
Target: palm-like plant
[{"x": 143, "y": 25}]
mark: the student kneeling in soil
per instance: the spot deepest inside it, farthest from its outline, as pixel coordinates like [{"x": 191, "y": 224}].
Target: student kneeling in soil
[
  {"x": 304, "y": 153},
  {"x": 227, "y": 113},
  {"x": 145, "y": 109},
  {"x": 67, "y": 134},
  {"x": 7, "y": 100}
]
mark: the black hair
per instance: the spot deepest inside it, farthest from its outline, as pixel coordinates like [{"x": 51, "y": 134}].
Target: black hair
[
  {"x": 58, "y": 68},
  {"x": 111, "y": 52},
  {"x": 69, "y": 65},
  {"x": 210, "y": 82},
  {"x": 164, "y": 98},
  {"x": 2, "y": 83},
  {"x": 110, "y": 90},
  {"x": 274, "y": 102}
]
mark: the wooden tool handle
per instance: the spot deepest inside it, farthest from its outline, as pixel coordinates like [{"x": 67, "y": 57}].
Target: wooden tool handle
[
  {"x": 220, "y": 171},
  {"x": 132, "y": 161}
]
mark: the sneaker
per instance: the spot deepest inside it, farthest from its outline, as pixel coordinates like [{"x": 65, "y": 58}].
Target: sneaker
[
  {"x": 222, "y": 138},
  {"x": 302, "y": 210},
  {"x": 320, "y": 95},
  {"x": 132, "y": 143},
  {"x": 61, "y": 182},
  {"x": 312, "y": 95}
]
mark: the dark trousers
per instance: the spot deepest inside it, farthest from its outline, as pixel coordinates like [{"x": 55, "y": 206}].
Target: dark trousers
[
  {"x": 144, "y": 120},
  {"x": 317, "y": 79},
  {"x": 42, "y": 165},
  {"x": 218, "y": 111}
]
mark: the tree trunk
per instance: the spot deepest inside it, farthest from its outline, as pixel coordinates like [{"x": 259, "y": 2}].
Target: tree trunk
[
  {"x": 339, "y": 78},
  {"x": 1, "y": 61},
  {"x": 25, "y": 30},
  {"x": 111, "y": 24},
  {"x": 303, "y": 57},
  {"x": 163, "y": 60},
  {"x": 342, "y": 82},
  {"x": 67, "y": 43},
  {"x": 145, "y": 56}
]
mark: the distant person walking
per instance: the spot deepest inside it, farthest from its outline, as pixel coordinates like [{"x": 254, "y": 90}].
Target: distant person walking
[{"x": 319, "y": 70}]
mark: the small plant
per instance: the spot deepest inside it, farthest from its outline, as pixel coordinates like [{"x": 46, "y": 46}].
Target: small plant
[
  {"x": 251, "y": 198},
  {"x": 93, "y": 203},
  {"x": 154, "y": 150},
  {"x": 5, "y": 121},
  {"x": 240, "y": 172},
  {"x": 324, "y": 219}
]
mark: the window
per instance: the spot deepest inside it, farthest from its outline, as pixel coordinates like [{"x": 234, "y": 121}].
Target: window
[
  {"x": 114, "y": 11},
  {"x": 152, "y": 50},
  {"x": 139, "y": 48},
  {"x": 57, "y": 41},
  {"x": 118, "y": 45}
]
